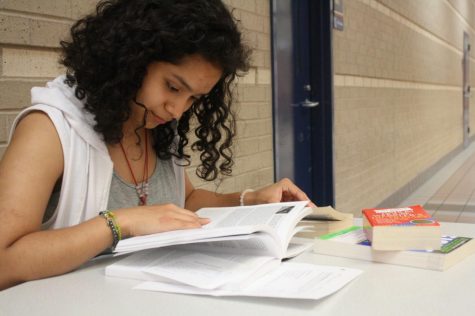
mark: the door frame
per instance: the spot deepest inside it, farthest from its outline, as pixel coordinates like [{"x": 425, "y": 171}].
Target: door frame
[{"x": 286, "y": 164}]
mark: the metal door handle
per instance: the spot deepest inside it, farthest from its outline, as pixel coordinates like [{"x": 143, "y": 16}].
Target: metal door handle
[{"x": 309, "y": 104}]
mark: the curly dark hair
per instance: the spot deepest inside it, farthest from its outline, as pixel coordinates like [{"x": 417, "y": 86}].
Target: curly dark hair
[{"x": 107, "y": 58}]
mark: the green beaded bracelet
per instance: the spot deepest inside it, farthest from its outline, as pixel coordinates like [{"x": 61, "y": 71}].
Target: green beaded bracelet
[{"x": 114, "y": 227}]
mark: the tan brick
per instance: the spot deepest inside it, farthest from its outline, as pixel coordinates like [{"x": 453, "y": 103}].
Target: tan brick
[
  {"x": 265, "y": 110},
  {"x": 14, "y": 30},
  {"x": 267, "y": 26},
  {"x": 252, "y": 128},
  {"x": 267, "y": 61},
  {"x": 268, "y": 93},
  {"x": 248, "y": 111},
  {"x": 36, "y": 32},
  {"x": 247, "y": 164},
  {"x": 263, "y": 41},
  {"x": 28, "y": 31},
  {"x": 195, "y": 180},
  {"x": 248, "y": 5},
  {"x": 3, "y": 147},
  {"x": 247, "y": 146},
  {"x": 263, "y": 8},
  {"x": 60, "y": 8},
  {"x": 263, "y": 76},
  {"x": 266, "y": 159},
  {"x": 48, "y": 34},
  {"x": 259, "y": 58},
  {"x": 266, "y": 127},
  {"x": 247, "y": 181},
  {"x": 6, "y": 121},
  {"x": 30, "y": 63},
  {"x": 252, "y": 93},
  {"x": 249, "y": 38},
  {"x": 265, "y": 176},
  {"x": 252, "y": 22},
  {"x": 80, "y": 8},
  {"x": 15, "y": 94},
  {"x": 265, "y": 143},
  {"x": 3, "y": 128},
  {"x": 69, "y": 9}
]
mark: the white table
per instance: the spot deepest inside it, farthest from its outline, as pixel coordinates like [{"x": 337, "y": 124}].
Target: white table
[{"x": 381, "y": 290}]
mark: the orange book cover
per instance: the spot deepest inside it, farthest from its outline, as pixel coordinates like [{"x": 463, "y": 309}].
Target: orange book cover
[{"x": 405, "y": 216}]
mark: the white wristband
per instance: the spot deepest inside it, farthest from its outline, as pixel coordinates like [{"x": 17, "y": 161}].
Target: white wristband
[{"x": 243, "y": 193}]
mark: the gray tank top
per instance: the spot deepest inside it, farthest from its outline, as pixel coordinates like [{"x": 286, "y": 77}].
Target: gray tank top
[{"x": 163, "y": 188}]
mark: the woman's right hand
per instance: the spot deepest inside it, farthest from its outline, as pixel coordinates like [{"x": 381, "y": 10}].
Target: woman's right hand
[{"x": 150, "y": 219}]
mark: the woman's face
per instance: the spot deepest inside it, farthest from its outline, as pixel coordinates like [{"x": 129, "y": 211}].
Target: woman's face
[{"x": 168, "y": 90}]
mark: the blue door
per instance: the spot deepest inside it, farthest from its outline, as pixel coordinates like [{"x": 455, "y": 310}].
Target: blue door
[{"x": 302, "y": 83}]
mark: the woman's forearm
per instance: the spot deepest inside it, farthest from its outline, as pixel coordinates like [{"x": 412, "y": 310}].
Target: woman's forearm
[
  {"x": 46, "y": 253},
  {"x": 200, "y": 198},
  {"x": 281, "y": 191}
]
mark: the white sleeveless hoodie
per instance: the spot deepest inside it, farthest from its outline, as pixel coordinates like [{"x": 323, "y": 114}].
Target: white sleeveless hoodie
[{"x": 87, "y": 165}]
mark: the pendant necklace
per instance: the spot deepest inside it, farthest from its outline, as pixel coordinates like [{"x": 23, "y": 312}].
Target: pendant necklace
[{"x": 142, "y": 188}]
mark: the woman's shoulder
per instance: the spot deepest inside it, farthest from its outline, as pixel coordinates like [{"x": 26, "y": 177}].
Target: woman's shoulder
[
  {"x": 37, "y": 125},
  {"x": 35, "y": 121},
  {"x": 35, "y": 136}
]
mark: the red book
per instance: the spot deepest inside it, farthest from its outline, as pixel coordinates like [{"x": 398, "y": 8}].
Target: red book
[{"x": 405, "y": 228}]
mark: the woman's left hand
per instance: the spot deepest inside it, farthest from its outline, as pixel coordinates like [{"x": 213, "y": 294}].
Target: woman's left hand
[{"x": 283, "y": 191}]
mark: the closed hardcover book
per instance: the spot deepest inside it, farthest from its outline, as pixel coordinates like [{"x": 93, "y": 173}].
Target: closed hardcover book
[
  {"x": 404, "y": 228},
  {"x": 352, "y": 243}
]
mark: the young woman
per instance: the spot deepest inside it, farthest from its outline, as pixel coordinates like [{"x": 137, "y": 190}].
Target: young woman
[{"x": 100, "y": 154}]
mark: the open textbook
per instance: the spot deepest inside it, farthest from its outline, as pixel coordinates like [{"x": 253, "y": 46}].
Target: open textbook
[
  {"x": 238, "y": 253},
  {"x": 264, "y": 229}
]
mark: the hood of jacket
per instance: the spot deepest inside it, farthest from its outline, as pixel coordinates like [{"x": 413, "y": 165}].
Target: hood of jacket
[{"x": 59, "y": 95}]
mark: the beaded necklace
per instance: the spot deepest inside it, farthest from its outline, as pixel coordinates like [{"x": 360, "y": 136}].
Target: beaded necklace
[{"x": 142, "y": 189}]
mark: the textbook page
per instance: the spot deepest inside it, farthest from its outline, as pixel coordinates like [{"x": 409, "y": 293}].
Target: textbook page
[
  {"x": 290, "y": 280},
  {"x": 226, "y": 221},
  {"x": 278, "y": 216},
  {"x": 281, "y": 218},
  {"x": 257, "y": 244},
  {"x": 206, "y": 270}
]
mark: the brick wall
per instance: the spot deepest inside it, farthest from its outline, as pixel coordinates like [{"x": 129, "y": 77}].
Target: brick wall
[
  {"x": 398, "y": 94},
  {"x": 30, "y": 31}
]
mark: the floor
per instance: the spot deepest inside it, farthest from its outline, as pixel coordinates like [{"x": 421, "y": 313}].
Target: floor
[{"x": 450, "y": 194}]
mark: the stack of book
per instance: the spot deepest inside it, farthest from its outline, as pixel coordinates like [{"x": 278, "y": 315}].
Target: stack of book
[
  {"x": 404, "y": 236},
  {"x": 353, "y": 243}
]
